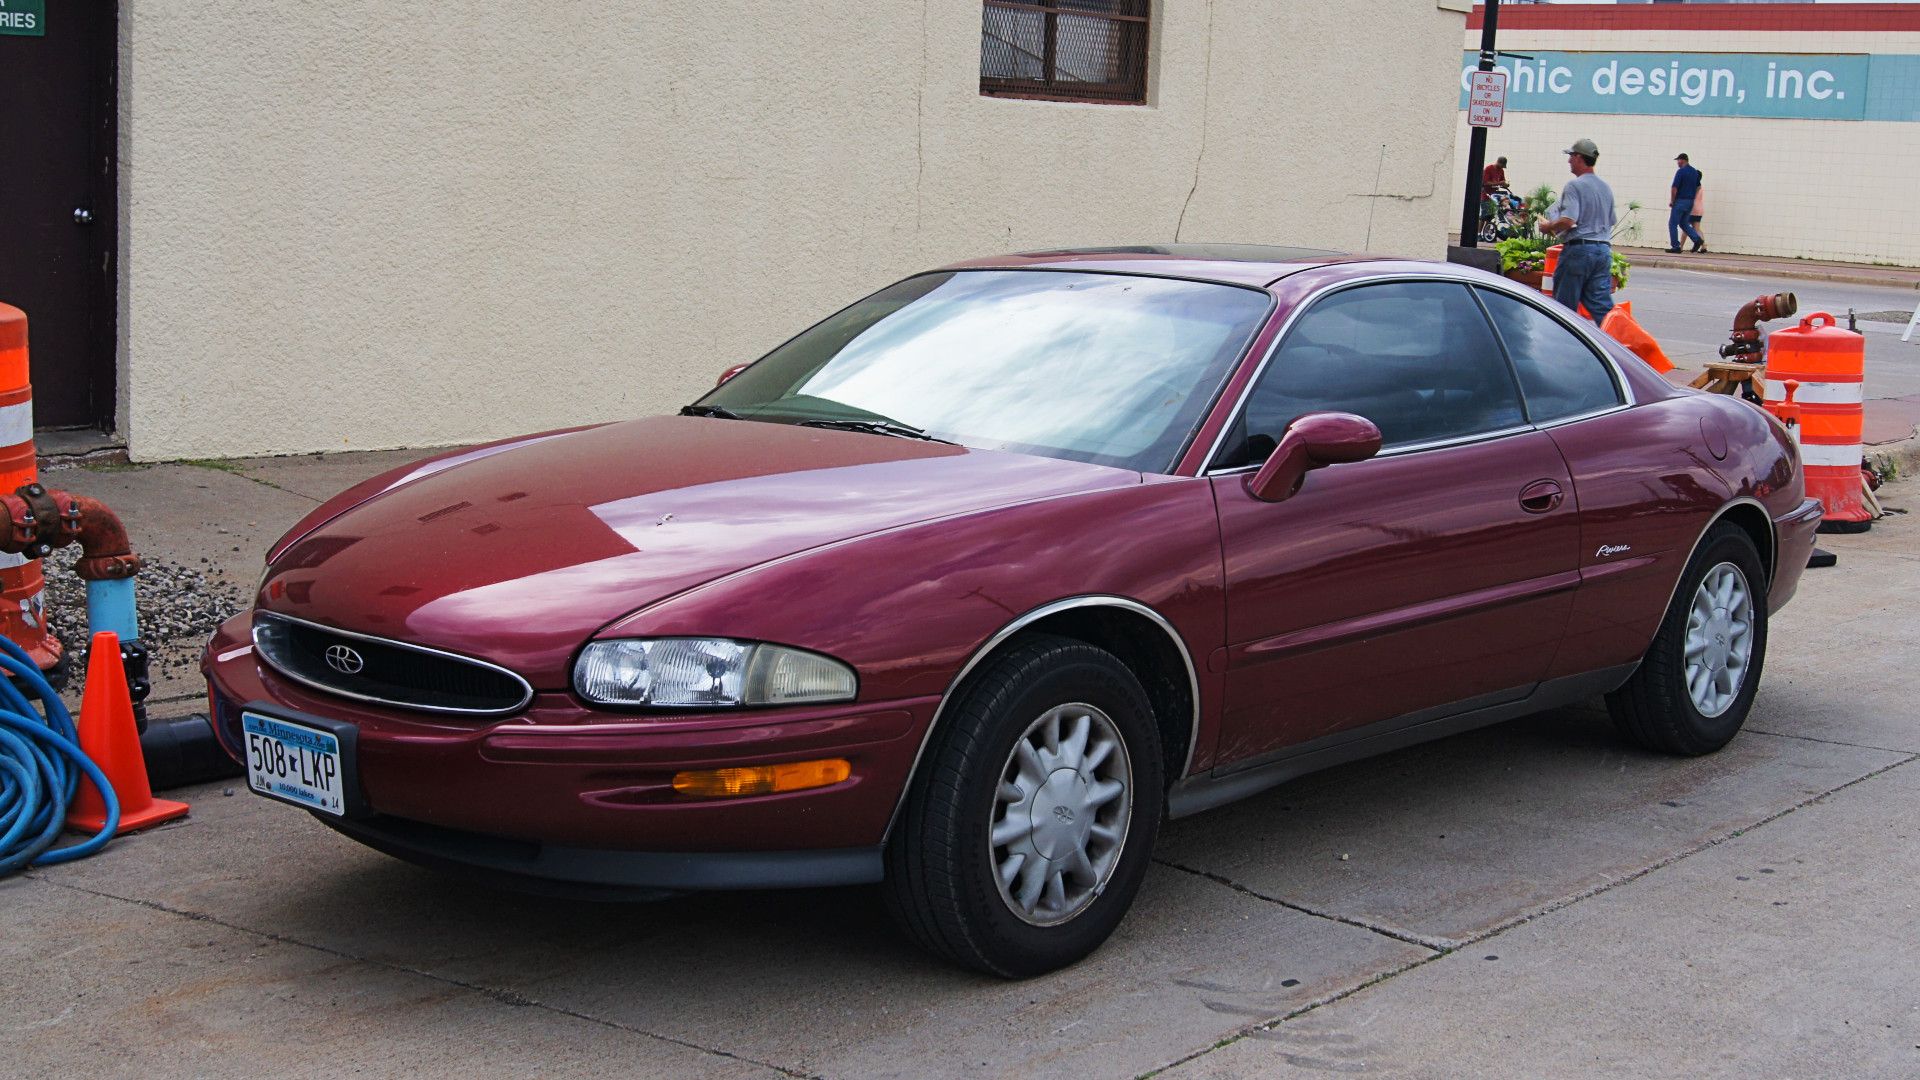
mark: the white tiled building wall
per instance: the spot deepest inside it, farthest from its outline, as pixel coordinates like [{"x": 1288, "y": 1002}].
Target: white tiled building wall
[{"x": 1815, "y": 189}]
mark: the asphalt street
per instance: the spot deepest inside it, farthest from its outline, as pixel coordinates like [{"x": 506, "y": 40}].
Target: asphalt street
[
  {"x": 1691, "y": 312},
  {"x": 1535, "y": 899}
]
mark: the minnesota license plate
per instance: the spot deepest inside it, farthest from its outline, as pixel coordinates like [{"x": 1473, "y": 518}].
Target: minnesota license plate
[{"x": 295, "y": 763}]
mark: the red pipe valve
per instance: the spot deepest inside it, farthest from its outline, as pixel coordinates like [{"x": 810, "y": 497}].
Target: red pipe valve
[{"x": 39, "y": 519}]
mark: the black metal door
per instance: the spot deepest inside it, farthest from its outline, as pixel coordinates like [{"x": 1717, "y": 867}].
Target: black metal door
[{"x": 58, "y": 214}]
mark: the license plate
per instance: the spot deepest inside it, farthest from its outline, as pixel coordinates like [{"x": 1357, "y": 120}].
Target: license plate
[{"x": 295, "y": 763}]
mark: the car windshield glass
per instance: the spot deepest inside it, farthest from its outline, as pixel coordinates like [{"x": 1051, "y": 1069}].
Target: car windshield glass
[{"x": 1103, "y": 368}]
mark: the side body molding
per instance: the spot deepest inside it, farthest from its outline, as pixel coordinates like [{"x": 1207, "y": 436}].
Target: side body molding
[{"x": 1021, "y": 623}]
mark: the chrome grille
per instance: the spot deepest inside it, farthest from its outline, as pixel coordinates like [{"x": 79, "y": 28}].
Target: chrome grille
[{"x": 385, "y": 672}]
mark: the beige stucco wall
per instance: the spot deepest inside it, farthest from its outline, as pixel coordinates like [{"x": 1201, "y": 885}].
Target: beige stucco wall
[
  {"x": 1813, "y": 189},
  {"x": 362, "y": 225}
]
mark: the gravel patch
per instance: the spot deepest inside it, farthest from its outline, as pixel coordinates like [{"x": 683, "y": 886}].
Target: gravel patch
[{"x": 180, "y": 606}]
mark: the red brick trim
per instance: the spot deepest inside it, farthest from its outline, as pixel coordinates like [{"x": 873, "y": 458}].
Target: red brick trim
[{"x": 1800, "y": 18}]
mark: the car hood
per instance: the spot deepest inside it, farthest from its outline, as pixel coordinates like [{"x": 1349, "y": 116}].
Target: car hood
[{"x": 518, "y": 552}]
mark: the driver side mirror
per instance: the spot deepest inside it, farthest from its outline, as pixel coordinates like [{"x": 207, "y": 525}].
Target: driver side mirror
[
  {"x": 731, "y": 372},
  {"x": 1314, "y": 441}
]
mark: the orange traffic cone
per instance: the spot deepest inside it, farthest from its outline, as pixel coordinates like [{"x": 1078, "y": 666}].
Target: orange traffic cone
[
  {"x": 108, "y": 735},
  {"x": 1623, "y": 328}
]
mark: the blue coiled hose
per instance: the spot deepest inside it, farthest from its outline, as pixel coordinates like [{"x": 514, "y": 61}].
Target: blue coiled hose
[{"x": 40, "y": 766}]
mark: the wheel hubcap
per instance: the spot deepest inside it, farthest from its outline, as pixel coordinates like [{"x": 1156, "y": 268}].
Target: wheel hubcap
[
  {"x": 1719, "y": 639},
  {"x": 1061, "y": 814}
]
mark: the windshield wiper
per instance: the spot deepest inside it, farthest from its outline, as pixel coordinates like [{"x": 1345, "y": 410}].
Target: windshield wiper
[
  {"x": 717, "y": 411},
  {"x": 877, "y": 427}
]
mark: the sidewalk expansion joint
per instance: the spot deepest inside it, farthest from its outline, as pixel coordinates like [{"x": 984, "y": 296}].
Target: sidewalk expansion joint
[
  {"x": 493, "y": 993},
  {"x": 1500, "y": 928},
  {"x": 232, "y": 468},
  {"x": 1436, "y": 944},
  {"x": 1829, "y": 742}
]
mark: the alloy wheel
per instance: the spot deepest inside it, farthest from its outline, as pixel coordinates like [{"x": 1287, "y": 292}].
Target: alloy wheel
[
  {"x": 1061, "y": 814},
  {"x": 1719, "y": 640}
]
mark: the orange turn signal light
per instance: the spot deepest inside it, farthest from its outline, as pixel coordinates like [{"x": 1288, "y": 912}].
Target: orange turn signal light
[{"x": 761, "y": 779}]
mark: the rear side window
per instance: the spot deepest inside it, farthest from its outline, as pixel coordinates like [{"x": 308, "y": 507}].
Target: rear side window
[
  {"x": 1416, "y": 358},
  {"x": 1561, "y": 376}
]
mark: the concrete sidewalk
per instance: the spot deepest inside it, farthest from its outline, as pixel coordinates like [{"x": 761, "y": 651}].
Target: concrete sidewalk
[{"x": 1897, "y": 277}]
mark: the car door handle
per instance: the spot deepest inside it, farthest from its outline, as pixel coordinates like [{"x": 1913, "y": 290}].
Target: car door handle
[{"x": 1541, "y": 496}]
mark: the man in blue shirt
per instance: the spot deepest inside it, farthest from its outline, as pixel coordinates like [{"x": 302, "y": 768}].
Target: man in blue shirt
[
  {"x": 1686, "y": 185},
  {"x": 1584, "y": 219}
]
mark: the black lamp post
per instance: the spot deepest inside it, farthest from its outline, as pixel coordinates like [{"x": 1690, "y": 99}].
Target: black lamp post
[{"x": 1477, "y": 137}]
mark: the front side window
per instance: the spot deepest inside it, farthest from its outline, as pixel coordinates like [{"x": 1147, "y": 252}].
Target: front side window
[
  {"x": 1105, "y": 368},
  {"x": 1065, "y": 50},
  {"x": 1561, "y": 376},
  {"x": 1416, "y": 358}
]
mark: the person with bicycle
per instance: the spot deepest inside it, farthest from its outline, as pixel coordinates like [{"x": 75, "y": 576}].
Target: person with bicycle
[{"x": 1497, "y": 203}]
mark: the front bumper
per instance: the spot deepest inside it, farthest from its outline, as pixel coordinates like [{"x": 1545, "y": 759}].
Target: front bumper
[
  {"x": 599, "y": 873},
  {"x": 562, "y": 792}
]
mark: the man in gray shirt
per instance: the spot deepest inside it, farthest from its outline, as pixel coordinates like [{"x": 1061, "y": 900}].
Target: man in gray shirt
[{"x": 1585, "y": 226}]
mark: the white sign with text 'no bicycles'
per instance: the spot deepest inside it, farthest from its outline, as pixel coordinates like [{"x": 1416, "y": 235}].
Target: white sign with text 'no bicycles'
[{"x": 1487, "y": 99}]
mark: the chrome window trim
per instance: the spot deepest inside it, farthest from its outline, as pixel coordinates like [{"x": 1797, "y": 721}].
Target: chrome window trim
[
  {"x": 526, "y": 688},
  {"x": 1498, "y": 284},
  {"x": 1008, "y": 631}
]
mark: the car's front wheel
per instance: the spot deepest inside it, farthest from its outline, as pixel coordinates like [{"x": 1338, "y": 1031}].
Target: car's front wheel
[
  {"x": 1695, "y": 687},
  {"x": 1029, "y": 827}
]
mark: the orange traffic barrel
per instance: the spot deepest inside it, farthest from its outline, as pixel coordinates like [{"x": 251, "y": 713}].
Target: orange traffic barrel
[
  {"x": 1830, "y": 365},
  {"x": 1547, "y": 269},
  {"x": 23, "y": 616}
]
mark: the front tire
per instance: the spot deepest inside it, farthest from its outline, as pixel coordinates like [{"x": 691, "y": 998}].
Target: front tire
[
  {"x": 1695, "y": 687},
  {"x": 1029, "y": 829}
]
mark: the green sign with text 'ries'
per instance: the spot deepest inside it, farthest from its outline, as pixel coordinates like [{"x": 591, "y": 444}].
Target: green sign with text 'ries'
[{"x": 23, "y": 18}]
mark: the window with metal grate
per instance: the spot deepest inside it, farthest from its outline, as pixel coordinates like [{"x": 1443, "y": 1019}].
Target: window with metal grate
[{"x": 1065, "y": 50}]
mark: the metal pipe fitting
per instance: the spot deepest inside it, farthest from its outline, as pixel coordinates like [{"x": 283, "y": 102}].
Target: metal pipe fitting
[{"x": 1744, "y": 342}]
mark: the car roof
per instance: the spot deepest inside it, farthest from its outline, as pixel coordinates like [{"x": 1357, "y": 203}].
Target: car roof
[{"x": 1233, "y": 264}]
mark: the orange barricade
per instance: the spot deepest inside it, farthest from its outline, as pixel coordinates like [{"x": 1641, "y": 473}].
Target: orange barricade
[
  {"x": 108, "y": 735},
  {"x": 22, "y": 607},
  {"x": 1830, "y": 365},
  {"x": 1621, "y": 327}
]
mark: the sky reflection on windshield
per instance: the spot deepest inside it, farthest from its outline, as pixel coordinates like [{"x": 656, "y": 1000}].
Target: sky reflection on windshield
[{"x": 1100, "y": 367}]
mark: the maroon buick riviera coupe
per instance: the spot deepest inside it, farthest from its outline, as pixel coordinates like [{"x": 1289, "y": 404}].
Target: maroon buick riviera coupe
[{"x": 969, "y": 587}]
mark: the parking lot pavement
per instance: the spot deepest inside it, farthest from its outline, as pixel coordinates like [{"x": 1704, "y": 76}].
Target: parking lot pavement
[
  {"x": 99, "y": 987},
  {"x": 1746, "y": 913}
]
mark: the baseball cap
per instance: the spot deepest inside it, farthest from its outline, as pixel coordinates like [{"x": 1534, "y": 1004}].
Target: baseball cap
[
  {"x": 1584, "y": 147},
  {"x": 1680, "y": 157}
]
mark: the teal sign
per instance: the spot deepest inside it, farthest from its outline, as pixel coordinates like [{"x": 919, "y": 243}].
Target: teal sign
[
  {"x": 23, "y": 18},
  {"x": 1789, "y": 85}
]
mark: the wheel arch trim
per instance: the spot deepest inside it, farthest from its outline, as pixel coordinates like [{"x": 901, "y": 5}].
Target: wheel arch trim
[
  {"x": 1771, "y": 556},
  {"x": 1006, "y": 633}
]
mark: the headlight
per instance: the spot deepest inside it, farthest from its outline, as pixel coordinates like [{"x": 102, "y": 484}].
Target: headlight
[{"x": 707, "y": 671}]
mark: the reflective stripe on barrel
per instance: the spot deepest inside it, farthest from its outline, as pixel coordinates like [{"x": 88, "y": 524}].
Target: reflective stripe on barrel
[{"x": 22, "y": 604}]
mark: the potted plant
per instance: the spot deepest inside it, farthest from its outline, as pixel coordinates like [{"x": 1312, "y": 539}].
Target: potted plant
[{"x": 1524, "y": 259}]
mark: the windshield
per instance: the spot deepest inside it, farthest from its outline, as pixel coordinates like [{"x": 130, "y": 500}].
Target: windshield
[{"x": 1102, "y": 368}]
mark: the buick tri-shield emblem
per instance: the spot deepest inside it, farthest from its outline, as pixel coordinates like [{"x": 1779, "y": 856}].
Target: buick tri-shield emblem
[{"x": 344, "y": 659}]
